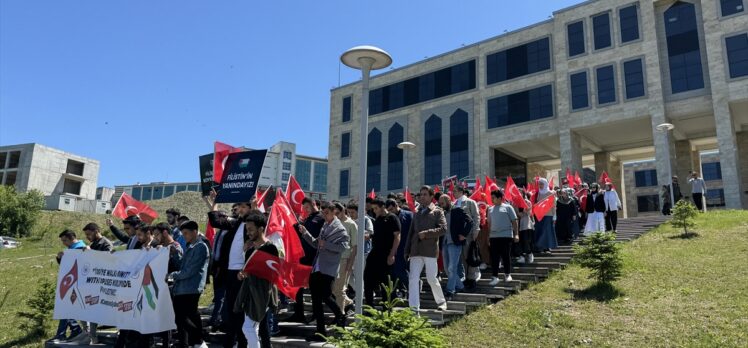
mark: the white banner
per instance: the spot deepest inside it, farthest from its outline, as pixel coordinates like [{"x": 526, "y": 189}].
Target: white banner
[{"x": 126, "y": 289}]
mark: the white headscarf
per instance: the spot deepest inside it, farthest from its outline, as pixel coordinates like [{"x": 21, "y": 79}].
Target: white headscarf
[{"x": 543, "y": 186}]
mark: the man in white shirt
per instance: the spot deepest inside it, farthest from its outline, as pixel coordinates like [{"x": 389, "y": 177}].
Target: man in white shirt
[
  {"x": 698, "y": 190},
  {"x": 612, "y": 206}
]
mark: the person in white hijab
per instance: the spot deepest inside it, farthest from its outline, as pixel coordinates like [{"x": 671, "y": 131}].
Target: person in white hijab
[{"x": 545, "y": 234}]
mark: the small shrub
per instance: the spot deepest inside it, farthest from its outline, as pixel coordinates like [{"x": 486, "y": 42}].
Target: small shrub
[
  {"x": 19, "y": 211},
  {"x": 388, "y": 328},
  {"x": 40, "y": 307},
  {"x": 683, "y": 216},
  {"x": 601, "y": 254}
]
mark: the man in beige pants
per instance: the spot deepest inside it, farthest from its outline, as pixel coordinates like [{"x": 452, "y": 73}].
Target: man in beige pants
[{"x": 346, "y": 260}]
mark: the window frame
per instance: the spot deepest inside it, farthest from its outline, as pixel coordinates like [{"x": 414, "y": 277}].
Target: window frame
[
  {"x": 638, "y": 23},
  {"x": 584, "y": 36},
  {"x": 349, "y": 144},
  {"x": 554, "y": 106},
  {"x": 644, "y": 77},
  {"x": 550, "y": 69},
  {"x": 722, "y": 16},
  {"x": 726, "y": 57},
  {"x": 616, "y": 79},
  {"x": 340, "y": 173},
  {"x": 342, "y": 109},
  {"x": 587, "y": 78},
  {"x": 611, "y": 30}
]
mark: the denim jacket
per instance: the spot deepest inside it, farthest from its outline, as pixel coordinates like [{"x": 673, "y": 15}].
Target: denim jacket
[{"x": 190, "y": 279}]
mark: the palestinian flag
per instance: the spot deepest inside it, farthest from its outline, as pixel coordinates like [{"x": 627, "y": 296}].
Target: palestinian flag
[{"x": 150, "y": 289}]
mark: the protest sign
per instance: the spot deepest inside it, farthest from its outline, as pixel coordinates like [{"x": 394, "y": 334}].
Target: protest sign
[
  {"x": 240, "y": 176},
  {"x": 206, "y": 174}
]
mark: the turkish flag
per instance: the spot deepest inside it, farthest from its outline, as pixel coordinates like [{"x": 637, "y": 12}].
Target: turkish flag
[
  {"x": 264, "y": 265},
  {"x": 128, "y": 206},
  {"x": 210, "y": 233},
  {"x": 604, "y": 178},
  {"x": 512, "y": 191},
  {"x": 577, "y": 179},
  {"x": 569, "y": 178},
  {"x": 490, "y": 186},
  {"x": 68, "y": 280},
  {"x": 220, "y": 155},
  {"x": 451, "y": 191},
  {"x": 281, "y": 220},
  {"x": 295, "y": 195},
  {"x": 409, "y": 200},
  {"x": 582, "y": 195},
  {"x": 543, "y": 207},
  {"x": 261, "y": 198},
  {"x": 478, "y": 194},
  {"x": 372, "y": 194}
]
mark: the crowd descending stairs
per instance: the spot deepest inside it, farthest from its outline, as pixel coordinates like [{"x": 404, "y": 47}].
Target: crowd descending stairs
[{"x": 293, "y": 334}]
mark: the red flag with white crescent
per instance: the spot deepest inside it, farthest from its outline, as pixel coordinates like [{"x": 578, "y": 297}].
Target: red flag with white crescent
[
  {"x": 512, "y": 191},
  {"x": 69, "y": 280},
  {"x": 409, "y": 200},
  {"x": 543, "y": 207},
  {"x": 221, "y": 153},
  {"x": 128, "y": 206},
  {"x": 295, "y": 195},
  {"x": 478, "y": 194},
  {"x": 490, "y": 186}
]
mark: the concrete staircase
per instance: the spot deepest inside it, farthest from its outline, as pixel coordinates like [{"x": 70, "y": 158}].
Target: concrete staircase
[{"x": 293, "y": 334}]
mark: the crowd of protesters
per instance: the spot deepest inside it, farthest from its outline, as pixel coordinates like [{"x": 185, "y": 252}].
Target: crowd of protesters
[{"x": 433, "y": 237}]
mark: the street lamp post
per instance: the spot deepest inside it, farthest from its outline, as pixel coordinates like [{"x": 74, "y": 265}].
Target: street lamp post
[
  {"x": 666, "y": 128},
  {"x": 406, "y": 145},
  {"x": 364, "y": 58}
]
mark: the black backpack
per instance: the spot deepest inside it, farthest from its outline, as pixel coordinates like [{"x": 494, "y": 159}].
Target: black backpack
[{"x": 473, "y": 255}]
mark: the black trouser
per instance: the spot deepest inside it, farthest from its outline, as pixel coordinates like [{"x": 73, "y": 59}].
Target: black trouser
[
  {"x": 189, "y": 324},
  {"x": 264, "y": 333},
  {"x": 666, "y": 208},
  {"x": 234, "y": 332},
  {"x": 611, "y": 220},
  {"x": 132, "y": 338},
  {"x": 298, "y": 307},
  {"x": 375, "y": 274},
  {"x": 501, "y": 250},
  {"x": 321, "y": 287},
  {"x": 697, "y": 200},
  {"x": 526, "y": 238}
]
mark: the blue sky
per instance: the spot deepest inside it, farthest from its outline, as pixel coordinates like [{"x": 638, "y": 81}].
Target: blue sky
[{"x": 146, "y": 87}]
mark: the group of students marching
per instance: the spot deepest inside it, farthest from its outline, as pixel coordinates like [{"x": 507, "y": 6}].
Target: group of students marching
[{"x": 437, "y": 235}]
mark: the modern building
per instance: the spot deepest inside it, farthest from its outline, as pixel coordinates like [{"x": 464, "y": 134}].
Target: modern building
[
  {"x": 643, "y": 193},
  {"x": 104, "y": 193},
  {"x": 280, "y": 162},
  {"x": 68, "y": 181},
  {"x": 586, "y": 88}
]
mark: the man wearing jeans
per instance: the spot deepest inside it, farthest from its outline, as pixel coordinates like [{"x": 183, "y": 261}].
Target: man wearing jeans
[
  {"x": 422, "y": 248},
  {"x": 459, "y": 226}
]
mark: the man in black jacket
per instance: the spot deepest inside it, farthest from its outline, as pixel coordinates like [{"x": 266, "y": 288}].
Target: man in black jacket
[
  {"x": 385, "y": 241},
  {"x": 129, "y": 224},
  {"x": 313, "y": 224},
  {"x": 459, "y": 226},
  {"x": 230, "y": 263}
]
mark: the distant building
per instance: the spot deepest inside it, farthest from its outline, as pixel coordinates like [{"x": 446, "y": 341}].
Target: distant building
[
  {"x": 281, "y": 161},
  {"x": 104, "y": 193},
  {"x": 68, "y": 181}
]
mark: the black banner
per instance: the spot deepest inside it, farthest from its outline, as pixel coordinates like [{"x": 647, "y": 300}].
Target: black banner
[
  {"x": 206, "y": 174},
  {"x": 240, "y": 176}
]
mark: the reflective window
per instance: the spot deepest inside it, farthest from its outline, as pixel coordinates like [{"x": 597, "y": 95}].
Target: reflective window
[
  {"x": 601, "y": 30},
  {"x": 518, "y": 61},
  {"x": 715, "y": 197},
  {"x": 147, "y": 193},
  {"x": 136, "y": 193},
  {"x": 606, "y": 85},
  {"x": 633, "y": 76},
  {"x": 459, "y": 161},
  {"x": 304, "y": 174},
  {"x": 730, "y": 7},
  {"x": 3, "y": 157},
  {"x": 346, "y": 109},
  {"x": 646, "y": 178},
  {"x": 684, "y": 56},
  {"x": 285, "y": 177},
  {"x": 737, "y": 55},
  {"x": 519, "y": 107},
  {"x": 320, "y": 177},
  {"x": 711, "y": 171},
  {"x": 180, "y": 188},
  {"x": 629, "y": 23},
  {"x": 433, "y": 150},
  {"x": 648, "y": 203},
  {"x": 286, "y": 165},
  {"x": 193, "y": 188},
  {"x": 395, "y": 157},
  {"x": 451, "y": 80},
  {"x": 158, "y": 192},
  {"x": 14, "y": 158},
  {"x": 287, "y": 155},
  {"x": 579, "y": 91},
  {"x": 345, "y": 145},
  {"x": 575, "y": 36},
  {"x": 374, "y": 161},
  {"x": 168, "y": 191},
  {"x": 343, "y": 183}
]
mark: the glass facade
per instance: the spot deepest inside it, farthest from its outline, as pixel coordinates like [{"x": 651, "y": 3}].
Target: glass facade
[
  {"x": 395, "y": 157},
  {"x": 633, "y": 76},
  {"x": 320, "y": 177},
  {"x": 711, "y": 171},
  {"x": 147, "y": 193},
  {"x": 737, "y": 55},
  {"x": 684, "y": 55},
  {"x": 606, "y": 85},
  {"x": 648, "y": 203},
  {"x": 507, "y": 165},
  {"x": 433, "y": 150},
  {"x": 731, "y": 7},
  {"x": 136, "y": 193},
  {"x": 601, "y": 31},
  {"x": 158, "y": 192},
  {"x": 518, "y": 61},
  {"x": 575, "y": 37},
  {"x": 519, "y": 107},
  {"x": 579, "y": 91},
  {"x": 629, "y": 23},
  {"x": 345, "y": 145},
  {"x": 168, "y": 191},
  {"x": 715, "y": 198},
  {"x": 285, "y": 177},
  {"x": 286, "y": 165},
  {"x": 181, "y": 188},
  {"x": 346, "y": 109},
  {"x": 374, "y": 161},
  {"x": 304, "y": 174},
  {"x": 343, "y": 183},
  {"x": 645, "y": 178},
  {"x": 451, "y": 80},
  {"x": 459, "y": 161}
]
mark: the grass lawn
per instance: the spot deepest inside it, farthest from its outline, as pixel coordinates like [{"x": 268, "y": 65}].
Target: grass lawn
[
  {"x": 21, "y": 269},
  {"x": 674, "y": 292}
]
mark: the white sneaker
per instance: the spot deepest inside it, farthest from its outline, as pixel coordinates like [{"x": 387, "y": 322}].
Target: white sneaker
[
  {"x": 477, "y": 278},
  {"x": 201, "y": 345},
  {"x": 508, "y": 278},
  {"x": 530, "y": 258},
  {"x": 494, "y": 281},
  {"x": 521, "y": 259},
  {"x": 442, "y": 306},
  {"x": 483, "y": 266}
]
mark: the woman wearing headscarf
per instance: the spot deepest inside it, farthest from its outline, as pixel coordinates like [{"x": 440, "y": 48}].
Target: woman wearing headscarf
[
  {"x": 595, "y": 211},
  {"x": 566, "y": 216},
  {"x": 545, "y": 236}
]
